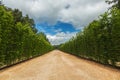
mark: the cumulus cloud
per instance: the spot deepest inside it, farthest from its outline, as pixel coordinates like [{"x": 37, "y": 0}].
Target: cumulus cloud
[
  {"x": 77, "y": 12},
  {"x": 60, "y": 37},
  {"x": 81, "y": 16}
]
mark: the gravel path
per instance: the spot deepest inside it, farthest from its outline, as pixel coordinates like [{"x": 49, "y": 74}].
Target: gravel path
[{"x": 57, "y": 65}]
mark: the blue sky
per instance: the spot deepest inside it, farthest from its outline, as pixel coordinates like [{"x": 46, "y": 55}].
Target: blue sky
[
  {"x": 59, "y": 32},
  {"x": 54, "y": 29},
  {"x": 60, "y": 20}
]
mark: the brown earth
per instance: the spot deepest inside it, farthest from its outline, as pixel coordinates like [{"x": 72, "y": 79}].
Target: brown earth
[{"x": 57, "y": 65}]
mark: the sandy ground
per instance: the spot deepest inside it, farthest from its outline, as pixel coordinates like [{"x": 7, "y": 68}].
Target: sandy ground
[{"x": 57, "y": 65}]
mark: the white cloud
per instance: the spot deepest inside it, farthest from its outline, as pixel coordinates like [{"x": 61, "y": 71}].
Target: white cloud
[
  {"x": 58, "y": 30},
  {"x": 60, "y": 37},
  {"x": 81, "y": 16},
  {"x": 79, "y": 12}
]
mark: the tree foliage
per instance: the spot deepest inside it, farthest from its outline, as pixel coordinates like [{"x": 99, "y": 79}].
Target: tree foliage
[
  {"x": 99, "y": 41},
  {"x": 19, "y": 39},
  {"x": 116, "y": 3}
]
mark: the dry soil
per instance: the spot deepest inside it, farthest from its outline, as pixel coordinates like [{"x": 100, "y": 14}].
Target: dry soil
[{"x": 57, "y": 65}]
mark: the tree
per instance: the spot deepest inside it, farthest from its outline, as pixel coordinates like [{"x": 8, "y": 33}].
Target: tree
[
  {"x": 116, "y": 3},
  {"x": 99, "y": 41},
  {"x": 19, "y": 39}
]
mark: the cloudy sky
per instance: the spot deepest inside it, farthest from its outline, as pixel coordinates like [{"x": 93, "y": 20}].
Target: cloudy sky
[{"x": 60, "y": 19}]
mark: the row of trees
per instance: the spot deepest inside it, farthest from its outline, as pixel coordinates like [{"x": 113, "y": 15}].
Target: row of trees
[
  {"x": 100, "y": 40},
  {"x": 19, "y": 39}
]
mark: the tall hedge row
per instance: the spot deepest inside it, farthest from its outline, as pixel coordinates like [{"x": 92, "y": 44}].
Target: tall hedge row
[
  {"x": 99, "y": 41},
  {"x": 19, "y": 40}
]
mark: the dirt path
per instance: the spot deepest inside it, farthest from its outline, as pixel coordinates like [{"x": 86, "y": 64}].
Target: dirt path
[{"x": 57, "y": 65}]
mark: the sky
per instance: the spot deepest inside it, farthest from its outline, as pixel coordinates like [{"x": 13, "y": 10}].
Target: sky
[{"x": 60, "y": 20}]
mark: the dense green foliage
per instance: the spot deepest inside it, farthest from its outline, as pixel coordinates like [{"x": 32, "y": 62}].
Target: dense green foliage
[
  {"x": 19, "y": 39},
  {"x": 116, "y": 3},
  {"x": 99, "y": 41}
]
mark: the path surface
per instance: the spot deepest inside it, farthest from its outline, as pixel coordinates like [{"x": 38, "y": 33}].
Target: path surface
[{"x": 57, "y": 65}]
